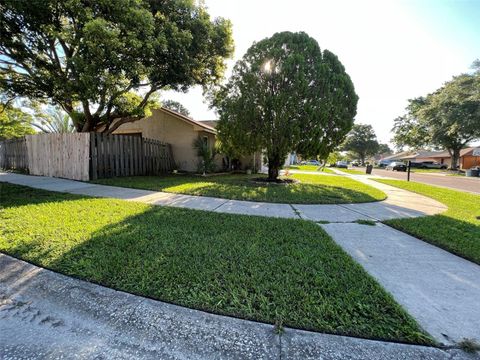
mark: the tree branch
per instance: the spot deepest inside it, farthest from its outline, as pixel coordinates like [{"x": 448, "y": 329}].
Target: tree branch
[{"x": 116, "y": 124}]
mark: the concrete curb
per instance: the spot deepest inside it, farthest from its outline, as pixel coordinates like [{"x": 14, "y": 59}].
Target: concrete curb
[{"x": 48, "y": 315}]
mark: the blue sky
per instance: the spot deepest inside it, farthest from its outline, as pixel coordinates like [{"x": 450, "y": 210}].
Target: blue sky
[{"x": 393, "y": 50}]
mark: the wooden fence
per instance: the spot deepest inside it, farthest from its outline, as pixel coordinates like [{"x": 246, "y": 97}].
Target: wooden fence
[
  {"x": 13, "y": 155},
  {"x": 59, "y": 155},
  {"x": 86, "y": 156},
  {"x": 122, "y": 155}
]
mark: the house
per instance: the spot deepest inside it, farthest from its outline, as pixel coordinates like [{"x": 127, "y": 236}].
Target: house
[
  {"x": 469, "y": 157},
  {"x": 176, "y": 129},
  {"x": 180, "y": 132}
]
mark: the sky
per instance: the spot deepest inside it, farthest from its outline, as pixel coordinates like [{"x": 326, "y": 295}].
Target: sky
[{"x": 392, "y": 50}]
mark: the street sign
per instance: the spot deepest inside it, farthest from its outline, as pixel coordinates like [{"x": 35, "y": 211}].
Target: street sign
[{"x": 476, "y": 152}]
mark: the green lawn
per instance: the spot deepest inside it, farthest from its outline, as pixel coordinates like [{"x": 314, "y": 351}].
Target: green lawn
[
  {"x": 312, "y": 189},
  {"x": 456, "y": 230},
  {"x": 353, "y": 171},
  {"x": 272, "y": 270},
  {"x": 310, "y": 168},
  {"x": 304, "y": 167}
]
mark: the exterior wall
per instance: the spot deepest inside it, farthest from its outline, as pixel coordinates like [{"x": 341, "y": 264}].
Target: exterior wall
[
  {"x": 470, "y": 161},
  {"x": 170, "y": 129}
]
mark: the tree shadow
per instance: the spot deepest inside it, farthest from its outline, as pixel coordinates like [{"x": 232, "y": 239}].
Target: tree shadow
[
  {"x": 269, "y": 270},
  {"x": 12, "y": 195},
  {"x": 235, "y": 187}
]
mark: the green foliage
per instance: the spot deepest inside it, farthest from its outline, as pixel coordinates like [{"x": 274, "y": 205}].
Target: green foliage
[
  {"x": 362, "y": 141},
  {"x": 312, "y": 189},
  {"x": 449, "y": 118},
  {"x": 207, "y": 153},
  {"x": 457, "y": 230},
  {"x": 279, "y": 271},
  {"x": 284, "y": 95},
  {"x": 14, "y": 123},
  {"x": 384, "y": 149},
  {"x": 52, "y": 120},
  {"x": 176, "y": 106},
  {"x": 88, "y": 57}
]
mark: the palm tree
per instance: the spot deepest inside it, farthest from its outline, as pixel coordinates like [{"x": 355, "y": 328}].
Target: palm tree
[{"x": 54, "y": 120}]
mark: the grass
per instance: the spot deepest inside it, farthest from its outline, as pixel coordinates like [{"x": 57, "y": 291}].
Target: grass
[
  {"x": 434, "y": 171},
  {"x": 353, "y": 171},
  {"x": 313, "y": 168},
  {"x": 304, "y": 167},
  {"x": 457, "y": 230},
  {"x": 279, "y": 271},
  {"x": 312, "y": 189},
  {"x": 366, "y": 222}
]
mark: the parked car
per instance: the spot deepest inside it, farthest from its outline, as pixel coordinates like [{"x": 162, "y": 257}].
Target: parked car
[
  {"x": 384, "y": 163},
  {"x": 417, "y": 165},
  {"x": 313, "y": 162},
  {"x": 341, "y": 164},
  {"x": 355, "y": 163},
  {"x": 396, "y": 165},
  {"x": 432, "y": 165}
]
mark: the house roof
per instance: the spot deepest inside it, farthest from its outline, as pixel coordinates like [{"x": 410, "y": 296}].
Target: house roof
[
  {"x": 211, "y": 123},
  {"x": 464, "y": 152},
  {"x": 202, "y": 125}
]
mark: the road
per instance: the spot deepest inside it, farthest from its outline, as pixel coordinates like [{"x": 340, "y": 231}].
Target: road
[{"x": 453, "y": 182}]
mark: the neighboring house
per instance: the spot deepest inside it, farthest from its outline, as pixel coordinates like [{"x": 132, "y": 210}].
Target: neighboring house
[
  {"x": 466, "y": 161},
  {"x": 469, "y": 157},
  {"x": 176, "y": 129}
]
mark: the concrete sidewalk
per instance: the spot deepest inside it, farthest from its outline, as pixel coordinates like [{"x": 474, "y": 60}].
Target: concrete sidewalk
[
  {"x": 399, "y": 203},
  {"x": 440, "y": 290},
  {"x": 45, "y": 315}
]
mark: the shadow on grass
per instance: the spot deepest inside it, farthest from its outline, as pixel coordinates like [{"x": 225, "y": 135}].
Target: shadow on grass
[
  {"x": 239, "y": 187},
  {"x": 280, "y": 271},
  {"x": 12, "y": 195}
]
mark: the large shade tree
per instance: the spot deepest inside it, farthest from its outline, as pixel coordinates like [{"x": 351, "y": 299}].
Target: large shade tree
[
  {"x": 14, "y": 122},
  {"x": 362, "y": 141},
  {"x": 284, "y": 95},
  {"x": 175, "y": 106},
  {"x": 449, "y": 118},
  {"x": 102, "y": 60}
]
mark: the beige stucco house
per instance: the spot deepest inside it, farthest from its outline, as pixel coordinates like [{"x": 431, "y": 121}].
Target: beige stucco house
[{"x": 176, "y": 129}]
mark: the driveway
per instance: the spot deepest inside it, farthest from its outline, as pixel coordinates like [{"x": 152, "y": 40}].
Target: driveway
[{"x": 453, "y": 182}]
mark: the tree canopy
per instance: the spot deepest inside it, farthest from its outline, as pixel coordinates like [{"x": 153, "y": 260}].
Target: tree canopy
[
  {"x": 362, "y": 141},
  {"x": 449, "y": 118},
  {"x": 14, "y": 123},
  {"x": 176, "y": 106},
  {"x": 102, "y": 60},
  {"x": 284, "y": 95}
]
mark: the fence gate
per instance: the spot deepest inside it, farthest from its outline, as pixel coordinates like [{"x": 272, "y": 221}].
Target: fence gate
[{"x": 124, "y": 155}]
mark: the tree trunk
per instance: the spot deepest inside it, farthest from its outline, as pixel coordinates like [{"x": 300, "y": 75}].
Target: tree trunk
[
  {"x": 455, "y": 156},
  {"x": 274, "y": 164},
  {"x": 362, "y": 159}
]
